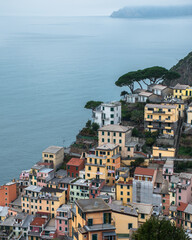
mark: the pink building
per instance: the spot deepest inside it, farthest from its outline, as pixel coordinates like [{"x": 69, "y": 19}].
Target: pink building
[
  {"x": 24, "y": 175},
  {"x": 168, "y": 170},
  {"x": 62, "y": 220},
  {"x": 44, "y": 175},
  {"x": 183, "y": 188}
]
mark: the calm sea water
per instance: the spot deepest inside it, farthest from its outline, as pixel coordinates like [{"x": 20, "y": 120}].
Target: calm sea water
[{"x": 51, "y": 66}]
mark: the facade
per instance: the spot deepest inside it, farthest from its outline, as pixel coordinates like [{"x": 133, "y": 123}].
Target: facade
[
  {"x": 161, "y": 90},
  {"x": 124, "y": 188},
  {"x": 160, "y": 152},
  {"x": 53, "y": 155},
  {"x": 117, "y": 134},
  {"x": 182, "y": 91},
  {"x": 144, "y": 212},
  {"x": 74, "y": 166},
  {"x": 143, "y": 186},
  {"x": 63, "y": 220},
  {"x": 47, "y": 200},
  {"x": 183, "y": 188},
  {"x": 95, "y": 187},
  {"x": 107, "y": 113},
  {"x": 162, "y": 118},
  {"x": 125, "y": 219},
  {"x": 103, "y": 164},
  {"x": 8, "y": 193},
  {"x": 189, "y": 114},
  {"x": 44, "y": 176},
  {"x": 92, "y": 219},
  {"x": 79, "y": 189},
  {"x": 168, "y": 170}
]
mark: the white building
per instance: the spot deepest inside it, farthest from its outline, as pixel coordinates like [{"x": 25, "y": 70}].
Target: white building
[{"x": 107, "y": 113}]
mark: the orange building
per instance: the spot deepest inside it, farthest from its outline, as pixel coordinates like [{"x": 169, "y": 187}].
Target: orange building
[
  {"x": 8, "y": 193},
  {"x": 92, "y": 219}
]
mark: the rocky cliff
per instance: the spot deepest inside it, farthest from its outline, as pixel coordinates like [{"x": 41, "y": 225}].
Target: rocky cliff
[{"x": 184, "y": 68}]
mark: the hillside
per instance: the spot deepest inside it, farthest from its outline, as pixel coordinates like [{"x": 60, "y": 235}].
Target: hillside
[
  {"x": 184, "y": 68},
  {"x": 153, "y": 12}
]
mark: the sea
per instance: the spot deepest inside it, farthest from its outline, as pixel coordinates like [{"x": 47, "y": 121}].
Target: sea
[{"x": 51, "y": 66}]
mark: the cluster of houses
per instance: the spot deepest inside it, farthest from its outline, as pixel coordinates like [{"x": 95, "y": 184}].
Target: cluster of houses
[{"x": 98, "y": 195}]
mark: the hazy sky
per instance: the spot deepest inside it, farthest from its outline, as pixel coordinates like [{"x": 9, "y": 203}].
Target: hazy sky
[{"x": 74, "y": 7}]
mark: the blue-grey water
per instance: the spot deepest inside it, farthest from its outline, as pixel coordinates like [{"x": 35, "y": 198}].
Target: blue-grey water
[{"x": 50, "y": 67}]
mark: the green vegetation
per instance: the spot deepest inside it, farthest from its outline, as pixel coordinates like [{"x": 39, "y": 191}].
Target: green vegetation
[
  {"x": 90, "y": 129},
  {"x": 147, "y": 76},
  {"x": 182, "y": 166},
  {"x": 92, "y": 104},
  {"x": 132, "y": 112},
  {"x": 137, "y": 162},
  {"x": 185, "y": 147},
  {"x": 185, "y": 151},
  {"x": 156, "y": 229}
]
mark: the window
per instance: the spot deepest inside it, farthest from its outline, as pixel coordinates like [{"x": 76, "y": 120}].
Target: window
[
  {"x": 142, "y": 216},
  {"x": 103, "y": 133},
  {"x": 103, "y": 140},
  {"x": 89, "y": 168},
  {"x": 128, "y": 149},
  {"x": 88, "y": 175},
  {"x": 107, "y": 218},
  {"x": 90, "y": 222},
  {"x": 108, "y": 140},
  {"x": 121, "y": 186},
  {"x": 128, "y": 193},
  {"x": 60, "y": 228},
  {"x": 128, "y": 199},
  {"x": 119, "y": 148},
  {"x": 179, "y": 197},
  {"x": 114, "y": 140},
  {"x": 130, "y": 225},
  {"x": 100, "y": 161},
  {"x": 94, "y": 237},
  {"x": 112, "y": 109},
  {"x": 127, "y": 187},
  {"x": 112, "y": 115},
  {"x": 112, "y": 122},
  {"x": 119, "y": 140},
  {"x": 179, "y": 190},
  {"x": 121, "y": 193}
]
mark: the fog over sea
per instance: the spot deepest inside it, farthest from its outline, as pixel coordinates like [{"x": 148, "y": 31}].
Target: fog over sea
[{"x": 51, "y": 66}]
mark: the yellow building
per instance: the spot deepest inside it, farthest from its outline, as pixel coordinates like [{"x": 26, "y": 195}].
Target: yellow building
[
  {"x": 187, "y": 224},
  {"x": 120, "y": 135},
  {"x": 37, "y": 199},
  {"x": 160, "y": 152},
  {"x": 182, "y": 91},
  {"x": 162, "y": 118},
  {"x": 54, "y": 156},
  {"x": 124, "y": 187},
  {"x": 103, "y": 163},
  {"x": 177, "y": 102},
  {"x": 172, "y": 213},
  {"x": 92, "y": 219},
  {"x": 144, "y": 212},
  {"x": 189, "y": 114},
  {"x": 125, "y": 219}
]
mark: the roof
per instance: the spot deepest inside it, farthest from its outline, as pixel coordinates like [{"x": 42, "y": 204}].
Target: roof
[
  {"x": 182, "y": 206},
  {"x": 185, "y": 175},
  {"x": 75, "y": 162},
  {"x": 160, "y": 106},
  {"x": 123, "y": 209},
  {"x": 145, "y": 94},
  {"x": 173, "y": 208},
  {"x": 50, "y": 190},
  {"x": 144, "y": 171},
  {"x": 38, "y": 221},
  {"x": 158, "y": 86},
  {"x": 52, "y": 149},
  {"x": 188, "y": 209},
  {"x": 92, "y": 205},
  {"x": 33, "y": 188},
  {"x": 107, "y": 146},
  {"x": 181, "y": 86},
  {"x": 159, "y": 177},
  {"x": 168, "y": 164},
  {"x": 143, "y": 208},
  {"x": 115, "y": 128},
  {"x": 3, "y": 211},
  {"x": 46, "y": 170}
]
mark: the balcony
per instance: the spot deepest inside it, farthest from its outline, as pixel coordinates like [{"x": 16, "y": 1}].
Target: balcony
[{"x": 150, "y": 126}]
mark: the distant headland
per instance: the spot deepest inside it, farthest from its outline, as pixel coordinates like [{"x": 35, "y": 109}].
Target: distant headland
[{"x": 153, "y": 12}]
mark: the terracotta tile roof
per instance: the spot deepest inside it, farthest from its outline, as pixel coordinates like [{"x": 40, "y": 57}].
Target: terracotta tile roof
[
  {"x": 38, "y": 221},
  {"x": 75, "y": 162},
  {"x": 144, "y": 171},
  {"x": 182, "y": 206}
]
